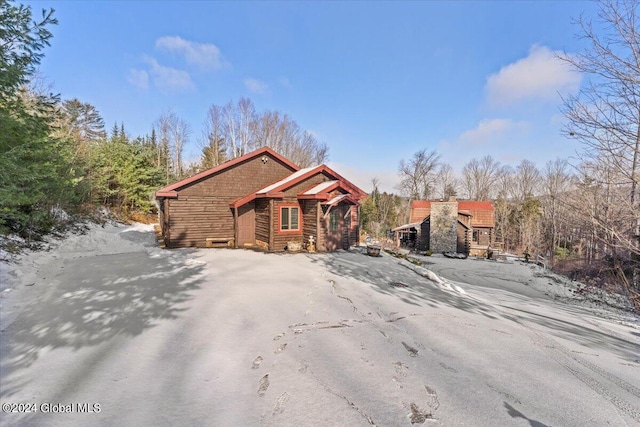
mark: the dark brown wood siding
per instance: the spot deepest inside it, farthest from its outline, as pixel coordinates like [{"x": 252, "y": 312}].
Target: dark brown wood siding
[
  {"x": 484, "y": 236},
  {"x": 263, "y": 214},
  {"x": 463, "y": 239},
  {"x": 354, "y": 229},
  {"x": 322, "y": 228},
  {"x": 239, "y": 180},
  {"x": 202, "y": 209},
  {"x": 310, "y": 219},
  {"x": 192, "y": 220},
  {"x": 423, "y": 238}
]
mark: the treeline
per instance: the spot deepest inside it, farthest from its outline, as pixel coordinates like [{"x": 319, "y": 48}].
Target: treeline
[
  {"x": 524, "y": 197},
  {"x": 57, "y": 159},
  {"x": 231, "y": 131},
  {"x": 583, "y": 217}
]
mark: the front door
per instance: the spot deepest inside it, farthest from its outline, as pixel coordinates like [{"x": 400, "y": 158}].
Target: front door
[
  {"x": 335, "y": 227},
  {"x": 247, "y": 224}
]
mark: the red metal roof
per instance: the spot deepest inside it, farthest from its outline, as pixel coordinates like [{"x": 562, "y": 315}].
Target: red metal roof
[
  {"x": 304, "y": 174},
  {"x": 340, "y": 198},
  {"x": 466, "y": 205},
  {"x": 169, "y": 191},
  {"x": 472, "y": 205},
  {"x": 276, "y": 189},
  {"x": 481, "y": 211}
]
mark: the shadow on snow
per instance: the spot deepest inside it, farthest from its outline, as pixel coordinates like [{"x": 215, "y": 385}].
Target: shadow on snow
[{"x": 96, "y": 299}]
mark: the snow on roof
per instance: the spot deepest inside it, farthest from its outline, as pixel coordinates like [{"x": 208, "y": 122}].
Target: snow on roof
[
  {"x": 462, "y": 204},
  {"x": 335, "y": 199},
  {"x": 320, "y": 187},
  {"x": 285, "y": 180},
  {"x": 407, "y": 226}
]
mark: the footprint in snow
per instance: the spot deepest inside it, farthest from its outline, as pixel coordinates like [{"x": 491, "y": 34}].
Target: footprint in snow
[
  {"x": 264, "y": 385},
  {"x": 413, "y": 352},
  {"x": 418, "y": 416},
  {"x": 401, "y": 369},
  {"x": 280, "y": 401},
  {"x": 256, "y": 362},
  {"x": 280, "y": 348}
]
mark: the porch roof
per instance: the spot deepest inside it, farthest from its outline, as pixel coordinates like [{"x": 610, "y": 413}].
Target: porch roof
[
  {"x": 407, "y": 226},
  {"x": 340, "y": 198},
  {"x": 284, "y": 181},
  {"x": 320, "y": 188}
]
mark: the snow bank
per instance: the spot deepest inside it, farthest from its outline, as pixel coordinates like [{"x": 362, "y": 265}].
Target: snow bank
[
  {"x": 21, "y": 272},
  {"x": 426, "y": 273}
]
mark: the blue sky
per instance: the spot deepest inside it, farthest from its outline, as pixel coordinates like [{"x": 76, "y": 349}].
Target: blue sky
[{"x": 376, "y": 81}]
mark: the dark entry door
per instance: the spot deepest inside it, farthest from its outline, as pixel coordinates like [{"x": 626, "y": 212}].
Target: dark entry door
[
  {"x": 246, "y": 224},
  {"x": 335, "y": 237}
]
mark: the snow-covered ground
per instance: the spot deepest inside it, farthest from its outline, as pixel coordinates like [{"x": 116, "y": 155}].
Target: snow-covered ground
[{"x": 234, "y": 337}]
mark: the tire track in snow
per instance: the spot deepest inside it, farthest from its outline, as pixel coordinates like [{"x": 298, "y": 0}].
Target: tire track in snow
[{"x": 576, "y": 367}]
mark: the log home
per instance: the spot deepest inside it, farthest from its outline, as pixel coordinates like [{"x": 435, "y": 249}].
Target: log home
[
  {"x": 261, "y": 199},
  {"x": 463, "y": 226}
]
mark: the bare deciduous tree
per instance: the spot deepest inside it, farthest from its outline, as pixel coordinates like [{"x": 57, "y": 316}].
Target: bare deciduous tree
[
  {"x": 163, "y": 147},
  {"x": 527, "y": 180},
  {"x": 230, "y": 128},
  {"x": 479, "y": 178},
  {"x": 246, "y": 121},
  {"x": 174, "y": 134},
  {"x": 446, "y": 182},
  {"x": 556, "y": 181},
  {"x": 243, "y": 130},
  {"x": 214, "y": 147},
  {"x": 417, "y": 175},
  {"x": 605, "y": 115}
]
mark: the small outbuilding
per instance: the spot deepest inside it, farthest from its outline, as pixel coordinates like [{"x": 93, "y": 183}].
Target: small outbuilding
[
  {"x": 261, "y": 199},
  {"x": 463, "y": 226}
]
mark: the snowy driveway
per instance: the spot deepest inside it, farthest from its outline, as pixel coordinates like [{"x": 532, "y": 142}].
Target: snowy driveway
[{"x": 233, "y": 337}]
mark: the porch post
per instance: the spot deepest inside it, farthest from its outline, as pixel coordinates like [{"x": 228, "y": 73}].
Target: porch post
[
  {"x": 235, "y": 227},
  {"x": 271, "y": 224}
]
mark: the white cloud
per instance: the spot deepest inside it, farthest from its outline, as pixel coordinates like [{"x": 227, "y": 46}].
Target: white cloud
[
  {"x": 205, "y": 56},
  {"x": 488, "y": 131},
  {"x": 256, "y": 86},
  {"x": 500, "y": 138},
  {"x": 169, "y": 79},
  {"x": 139, "y": 78},
  {"x": 540, "y": 75}
]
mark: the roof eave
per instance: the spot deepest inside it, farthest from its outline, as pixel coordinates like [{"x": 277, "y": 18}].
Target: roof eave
[
  {"x": 167, "y": 194},
  {"x": 321, "y": 196}
]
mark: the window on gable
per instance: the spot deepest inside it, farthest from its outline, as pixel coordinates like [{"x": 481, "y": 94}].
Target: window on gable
[{"x": 289, "y": 218}]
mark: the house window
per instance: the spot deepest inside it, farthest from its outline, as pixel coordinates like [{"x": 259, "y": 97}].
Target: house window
[
  {"x": 334, "y": 219},
  {"x": 289, "y": 218},
  {"x": 476, "y": 236}
]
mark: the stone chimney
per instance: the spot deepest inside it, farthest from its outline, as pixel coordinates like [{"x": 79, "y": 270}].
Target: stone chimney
[{"x": 443, "y": 228}]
